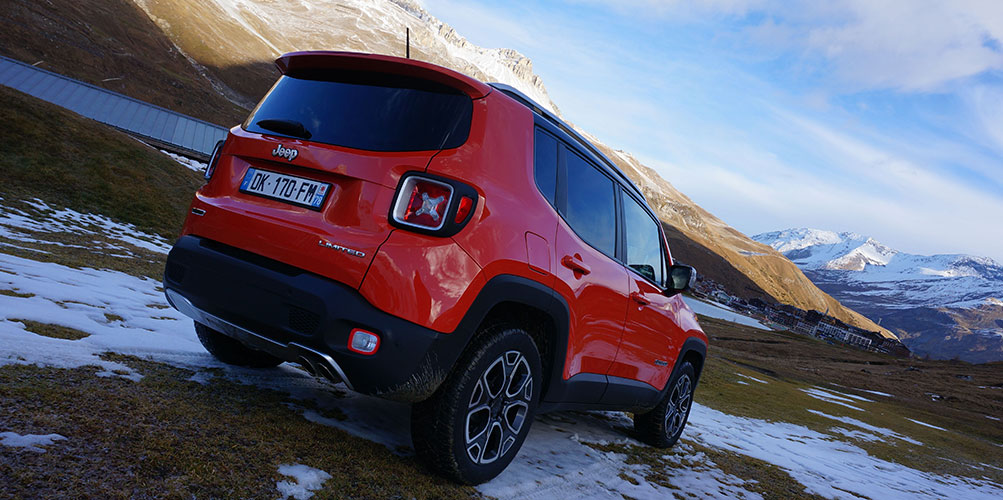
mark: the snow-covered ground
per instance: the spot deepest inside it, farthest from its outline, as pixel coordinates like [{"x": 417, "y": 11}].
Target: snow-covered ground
[
  {"x": 129, "y": 315},
  {"x": 721, "y": 312}
]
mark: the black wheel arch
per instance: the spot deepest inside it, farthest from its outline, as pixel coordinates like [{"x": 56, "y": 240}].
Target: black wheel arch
[{"x": 513, "y": 296}]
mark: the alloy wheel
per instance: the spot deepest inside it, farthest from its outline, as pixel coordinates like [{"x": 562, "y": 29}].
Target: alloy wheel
[
  {"x": 678, "y": 405},
  {"x": 497, "y": 409}
]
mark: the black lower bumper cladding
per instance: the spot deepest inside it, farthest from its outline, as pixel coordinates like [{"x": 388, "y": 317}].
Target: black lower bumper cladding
[{"x": 302, "y": 317}]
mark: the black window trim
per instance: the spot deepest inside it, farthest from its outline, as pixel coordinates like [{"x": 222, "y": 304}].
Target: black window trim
[
  {"x": 663, "y": 254},
  {"x": 562, "y": 199},
  {"x": 557, "y": 126},
  {"x": 557, "y": 180}
]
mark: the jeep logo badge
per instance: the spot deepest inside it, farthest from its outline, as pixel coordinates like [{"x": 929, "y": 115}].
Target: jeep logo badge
[{"x": 284, "y": 152}]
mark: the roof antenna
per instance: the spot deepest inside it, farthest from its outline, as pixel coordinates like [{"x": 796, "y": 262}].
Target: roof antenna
[{"x": 407, "y": 52}]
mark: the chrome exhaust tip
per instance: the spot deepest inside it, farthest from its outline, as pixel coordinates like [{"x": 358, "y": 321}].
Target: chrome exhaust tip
[{"x": 308, "y": 366}]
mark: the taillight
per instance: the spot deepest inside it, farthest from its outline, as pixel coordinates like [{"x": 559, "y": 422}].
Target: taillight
[
  {"x": 426, "y": 202},
  {"x": 213, "y": 160},
  {"x": 430, "y": 204}
]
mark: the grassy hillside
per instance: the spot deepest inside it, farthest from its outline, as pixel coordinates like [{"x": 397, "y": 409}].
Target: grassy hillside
[{"x": 69, "y": 161}]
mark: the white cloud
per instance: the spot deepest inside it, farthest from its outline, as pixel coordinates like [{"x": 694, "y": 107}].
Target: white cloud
[{"x": 911, "y": 45}]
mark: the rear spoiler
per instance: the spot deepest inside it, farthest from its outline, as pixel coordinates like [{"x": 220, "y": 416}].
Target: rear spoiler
[{"x": 354, "y": 61}]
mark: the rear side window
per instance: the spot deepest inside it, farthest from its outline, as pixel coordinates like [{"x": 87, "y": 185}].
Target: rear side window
[
  {"x": 644, "y": 242},
  {"x": 591, "y": 209},
  {"x": 546, "y": 164},
  {"x": 370, "y": 112}
]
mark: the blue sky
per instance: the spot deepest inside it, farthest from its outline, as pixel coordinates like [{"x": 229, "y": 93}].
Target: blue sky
[{"x": 883, "y": 118}]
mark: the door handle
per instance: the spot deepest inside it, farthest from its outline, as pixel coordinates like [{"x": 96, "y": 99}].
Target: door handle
[
  {"x": 575, "y": 264},
  {"x": 639, "y": 298}
]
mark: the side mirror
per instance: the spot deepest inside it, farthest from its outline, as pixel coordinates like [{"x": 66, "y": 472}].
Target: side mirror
[{"x": 680, "y": 279}]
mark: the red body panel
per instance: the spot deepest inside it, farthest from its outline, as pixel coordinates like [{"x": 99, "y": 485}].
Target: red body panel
[
  {"x": 651, "y": 338},
  {"x": 597, "y": 300},
  {"x": 424, "y": 279}
]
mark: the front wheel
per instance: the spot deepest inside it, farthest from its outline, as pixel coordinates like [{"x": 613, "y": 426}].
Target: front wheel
[
  {"x": 474, "y": 425},
  {"x": 663, "y": 425}
]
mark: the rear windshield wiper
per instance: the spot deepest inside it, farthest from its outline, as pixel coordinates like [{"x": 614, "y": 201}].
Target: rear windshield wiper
[{"x": 286, "y": 127}]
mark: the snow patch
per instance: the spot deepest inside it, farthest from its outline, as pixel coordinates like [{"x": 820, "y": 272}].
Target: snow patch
[
  {"x": 830, "y": 398},
  {"x": 79, "y": 298},
  {"x": 827, "y": 467},
  {"x": 49, "y": 220},
  {"x": 30, "y": 442},
  {"x": 876, "y": 393},
  {"x": 307, "y": 481},
  {"x": 924, "y": 424},
  {"x": 719, "y": 312},
  {"x": 751, "y": 378},
  {"x": 864, "y": 425},
  {"x": 186, "y": 161}
]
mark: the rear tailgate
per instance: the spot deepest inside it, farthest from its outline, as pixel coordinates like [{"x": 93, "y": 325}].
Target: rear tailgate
[
  {"x": 337, "y": 241},
  {"x": 359, "y": 122}
]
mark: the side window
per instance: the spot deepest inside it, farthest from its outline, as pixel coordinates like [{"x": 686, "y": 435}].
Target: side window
[
  {"x": 644, "y": 242},
  {"x": 591, "y": 207},
  {"x": 545, "y": 164}
]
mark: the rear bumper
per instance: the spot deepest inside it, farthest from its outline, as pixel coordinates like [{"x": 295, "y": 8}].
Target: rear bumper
[{"x": 298, "y": 316}]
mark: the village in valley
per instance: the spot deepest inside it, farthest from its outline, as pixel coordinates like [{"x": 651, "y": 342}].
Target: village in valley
[{"x": 813, "y": 323}]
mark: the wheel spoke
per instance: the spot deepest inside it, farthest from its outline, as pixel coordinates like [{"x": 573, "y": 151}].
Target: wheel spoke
[
  {"x": 494, "y": 378},
  {"x": 478, "y": 396},
  {"x": 477, "y": 422},
  {"x": 493, "y": 440},
  {"x": 519, "y": 375},
  {"x": 514, "y": 415}
]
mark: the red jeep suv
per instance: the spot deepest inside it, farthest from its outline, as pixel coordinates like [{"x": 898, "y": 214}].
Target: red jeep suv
[{"x": 421, "y": 236}]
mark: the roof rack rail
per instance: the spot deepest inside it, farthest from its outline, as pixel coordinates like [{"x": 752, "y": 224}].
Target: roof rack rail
[{"x": 559, "y": 123}]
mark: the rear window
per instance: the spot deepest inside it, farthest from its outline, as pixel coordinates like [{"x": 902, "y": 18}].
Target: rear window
[{"x": 374, "y": 112}]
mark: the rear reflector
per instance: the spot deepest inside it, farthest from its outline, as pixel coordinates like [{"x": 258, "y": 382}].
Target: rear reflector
[
  {"x": 422, "y": 202},
  {"x": 463, "y": 210},
  {"x": 363, "y": 342}
]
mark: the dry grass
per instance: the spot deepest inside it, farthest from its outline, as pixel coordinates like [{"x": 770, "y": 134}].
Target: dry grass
[
  {"x": 791, "y": 362},
  {"x": 168, "y": 437},
  {"x": 51, "y": 330}
]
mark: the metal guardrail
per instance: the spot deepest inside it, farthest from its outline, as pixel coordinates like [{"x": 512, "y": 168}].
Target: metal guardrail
[{"x": 164, "y": 128}]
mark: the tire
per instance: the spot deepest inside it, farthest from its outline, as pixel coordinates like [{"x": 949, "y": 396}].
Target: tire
[
  {"x": 662, "y": 426},
  {"x": 231, "y": 351},
  {"x": 463, "y": 432}
]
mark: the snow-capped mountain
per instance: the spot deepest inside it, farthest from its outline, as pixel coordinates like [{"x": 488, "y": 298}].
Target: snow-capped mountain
[
  {"x": 240, "y": 33},
  {"x": 934, "y": 302}
]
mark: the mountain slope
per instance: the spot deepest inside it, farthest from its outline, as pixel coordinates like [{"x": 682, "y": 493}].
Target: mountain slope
[
  {"x": 748, "y": 269},
  {"x": 229, "y": 46},
  {"x": 944, "y": 306}
]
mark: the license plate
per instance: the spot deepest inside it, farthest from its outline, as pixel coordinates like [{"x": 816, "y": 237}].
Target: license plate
[{"x": 287, "y": 188}]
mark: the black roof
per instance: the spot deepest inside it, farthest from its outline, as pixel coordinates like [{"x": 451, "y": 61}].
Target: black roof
[{"x": 559, "y": 123}]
